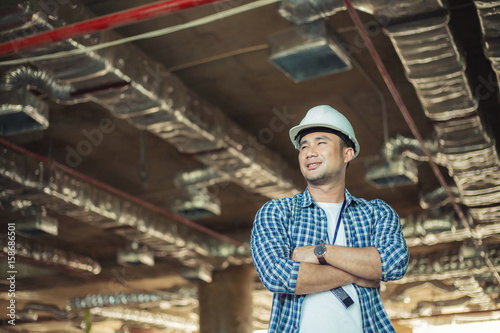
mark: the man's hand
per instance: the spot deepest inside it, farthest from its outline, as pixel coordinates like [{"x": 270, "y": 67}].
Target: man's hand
[{"x": 305, "y": 254}]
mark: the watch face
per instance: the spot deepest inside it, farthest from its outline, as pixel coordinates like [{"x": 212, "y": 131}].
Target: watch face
[{"x": 319, "y": 250}]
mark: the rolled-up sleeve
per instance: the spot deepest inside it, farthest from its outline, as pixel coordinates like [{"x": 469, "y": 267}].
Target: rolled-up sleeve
[
  {"x": 387, "y": 237},
  {"x": 271, "y": 250}
]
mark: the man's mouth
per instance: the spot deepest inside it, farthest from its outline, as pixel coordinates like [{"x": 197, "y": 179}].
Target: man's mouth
[{"x": 312, "y": 166}]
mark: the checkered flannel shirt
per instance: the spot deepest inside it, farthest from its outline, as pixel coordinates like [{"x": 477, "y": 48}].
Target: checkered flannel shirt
[{"x": 281, "y": 225}]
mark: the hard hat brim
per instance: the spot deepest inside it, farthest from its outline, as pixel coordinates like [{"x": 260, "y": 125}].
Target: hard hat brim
[{"x": 294, "y": 131}]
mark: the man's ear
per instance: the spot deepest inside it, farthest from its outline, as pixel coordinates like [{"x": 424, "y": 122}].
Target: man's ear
[{"x": 348, "y": 154}]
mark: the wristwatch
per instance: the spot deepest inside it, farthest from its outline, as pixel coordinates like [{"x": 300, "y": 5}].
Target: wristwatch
[{"x": 319, "y": 252}]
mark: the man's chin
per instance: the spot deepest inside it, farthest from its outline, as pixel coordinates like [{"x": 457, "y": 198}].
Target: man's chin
[{"x": 315, "y": 181}]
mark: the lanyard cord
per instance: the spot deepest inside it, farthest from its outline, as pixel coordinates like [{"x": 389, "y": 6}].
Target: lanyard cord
[{"x": 337, "y": 226}]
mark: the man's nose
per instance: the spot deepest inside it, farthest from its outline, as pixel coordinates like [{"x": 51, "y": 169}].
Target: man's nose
[{"x": 311, "y": 152}]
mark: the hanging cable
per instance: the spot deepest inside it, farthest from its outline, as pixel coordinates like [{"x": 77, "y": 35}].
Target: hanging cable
[{"x": 151, "y": 34}]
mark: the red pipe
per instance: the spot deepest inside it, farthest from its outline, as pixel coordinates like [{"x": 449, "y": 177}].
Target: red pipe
[
  {"x": 411, "y": 123},
  {"x": 114, "y": 20},
  {"x": 122, "y": 194}
]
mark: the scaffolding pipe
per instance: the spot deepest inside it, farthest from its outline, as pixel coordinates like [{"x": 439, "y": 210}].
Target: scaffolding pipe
[{"x": 122, "y": 18}]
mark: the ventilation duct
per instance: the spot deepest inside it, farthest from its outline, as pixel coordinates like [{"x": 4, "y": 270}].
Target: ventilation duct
[
  {"x": 437, "y": 198},
  {"x": 22, "y": 112},
  {"x": 37, "y": 225},
  {"x": 198, "y": 201},
  {"x": 104, "y": 300},
  {"x": 408, "y": 147},
  {"x": 449, "y": 264},
  {"x": 152, "y": 99},
  {"x": 30, "y": 308},
  {"x": 398, "y": 171},
  {"x": 182, "y": 294},
  {"x": 25, "y": 178},
  {"x": 427, "y": 308},
  {"x": 308, "y": 51},
  {"x": 459, "y": 265},
  {"x": 302, "y": 11},
  {"x": 488, "y": 12},
  {"x": 52, "y": 257},
  {"x": 433, "y": 227},
  {"x": 435, "y": 66},
  {"x": 147, "y": 317},
  {"x": 135, "y": 255},
  {"x": 31, "y": 79}
]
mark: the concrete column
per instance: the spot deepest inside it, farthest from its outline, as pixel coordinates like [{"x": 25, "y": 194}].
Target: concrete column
[{"x": 226, "y": 302}]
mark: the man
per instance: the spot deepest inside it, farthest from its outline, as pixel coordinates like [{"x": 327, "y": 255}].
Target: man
[{"x": 324, "y": 252}]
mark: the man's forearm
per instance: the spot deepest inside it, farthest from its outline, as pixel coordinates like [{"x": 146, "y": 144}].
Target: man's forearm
[
  {"x": 363, "y": 262},
  {"x": 314, "y": 278}
]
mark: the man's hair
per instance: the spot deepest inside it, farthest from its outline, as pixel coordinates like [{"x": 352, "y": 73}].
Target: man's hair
[{"x": 344, "y": 143}]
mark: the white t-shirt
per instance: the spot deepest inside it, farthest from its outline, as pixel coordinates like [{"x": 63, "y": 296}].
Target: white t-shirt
[{"x": 323, "y": 312}]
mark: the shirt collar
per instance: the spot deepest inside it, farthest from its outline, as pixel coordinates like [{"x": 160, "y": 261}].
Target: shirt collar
[{"x": 307, "y": 199}]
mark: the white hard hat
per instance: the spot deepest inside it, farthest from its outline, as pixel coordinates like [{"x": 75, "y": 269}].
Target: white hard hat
[{"x": 325, "y": 116}]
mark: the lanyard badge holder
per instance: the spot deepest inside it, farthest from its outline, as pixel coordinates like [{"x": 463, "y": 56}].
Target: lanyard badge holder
[{"x": 339, "y": 292}]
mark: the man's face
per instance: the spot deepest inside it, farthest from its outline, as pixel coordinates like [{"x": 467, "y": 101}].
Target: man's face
[{"x": 322, "y": 159}]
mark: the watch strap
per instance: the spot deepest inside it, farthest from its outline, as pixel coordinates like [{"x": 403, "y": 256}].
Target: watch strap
[{"x": 322, "y": 260}]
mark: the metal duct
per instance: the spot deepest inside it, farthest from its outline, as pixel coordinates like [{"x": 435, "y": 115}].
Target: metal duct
[
  {"x": 154, "y": 100},
  {"x": 435, "y": 66},
  {"x": 25, "y": 178},
  {"x": 488, "y": 12},
  {"x": 117, "y": 299},
  {"x": 21, "y": 112},
  {"x": 450, "y": 264},
  {"x": 442, "y": 226},
  {"x": 465, "y": 145},
  {"x": 198, "y": 202},
  {"x": 148, "y": 317},
  {"x": 437, "y": 198},
  {"x": 102, "y": 300},
  {"x": 52, "y": 257},
  {"x": 52, "y": 309},
  {"x": 302, "y": 11},
  {"x": 408, "y": 147},
  {"x": 433, "y": 227},
  {"x": 427, "y": 308},
  {"x": 33, "y": 79},
  {"x": 399, "y": 293},
  {"x": 459, "y": 265}
]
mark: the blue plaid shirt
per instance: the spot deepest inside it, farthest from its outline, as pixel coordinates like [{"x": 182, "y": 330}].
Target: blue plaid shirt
[{"x": 281, "y": 225}]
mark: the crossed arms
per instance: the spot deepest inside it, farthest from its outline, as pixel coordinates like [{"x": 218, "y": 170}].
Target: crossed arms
[
  {"x": 382, "y": 254},
  {"x": 361, "y": 266}
]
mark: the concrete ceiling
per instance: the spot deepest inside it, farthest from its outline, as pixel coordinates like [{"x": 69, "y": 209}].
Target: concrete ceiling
[{"x": 226, "y": 63}]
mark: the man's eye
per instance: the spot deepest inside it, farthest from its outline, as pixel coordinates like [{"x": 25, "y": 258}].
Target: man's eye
[{"x": 303, "y": 147}]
